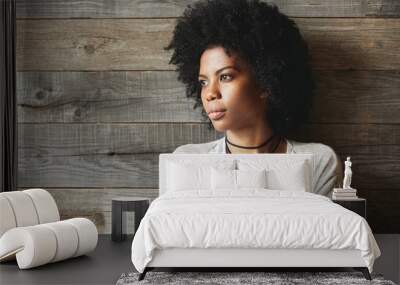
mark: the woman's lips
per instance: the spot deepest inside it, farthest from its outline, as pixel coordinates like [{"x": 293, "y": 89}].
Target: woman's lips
[{"x": 216, "y": 115}]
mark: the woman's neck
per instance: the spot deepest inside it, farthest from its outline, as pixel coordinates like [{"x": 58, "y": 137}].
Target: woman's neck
[{"x": 251, "y": 138}]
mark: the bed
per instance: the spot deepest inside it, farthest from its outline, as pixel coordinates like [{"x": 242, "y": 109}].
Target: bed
[{"x": 238, "y": 210}]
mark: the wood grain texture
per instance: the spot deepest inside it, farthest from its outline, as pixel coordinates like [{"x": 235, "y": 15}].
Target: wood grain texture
[
  {"x": 109, "y": 96},
  {"x": 357, "y": 97},
  {"x": 95, "y": 199},
  {"x": 93, "y": 155},
  {"x": 156, "y": 96},
  {"x": 100, "y": 170},
  {"x": 95, "y": 204},
  {"x": 169, "y": 8},
  {"x": 386, "y": 8},
  {"x": 96, "y": 155},
  {"x": 106, "y": 44},
  {"x": 80, "y": 140},
  {"x": 137, "y": 44}
]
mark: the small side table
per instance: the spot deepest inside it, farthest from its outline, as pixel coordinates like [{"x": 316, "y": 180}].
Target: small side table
[
  {"x": 357, "y": 205},
  {"x": 139, "y": 205}
]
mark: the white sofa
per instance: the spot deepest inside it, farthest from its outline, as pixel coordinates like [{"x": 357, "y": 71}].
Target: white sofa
[{"x": 31, "y": 231}]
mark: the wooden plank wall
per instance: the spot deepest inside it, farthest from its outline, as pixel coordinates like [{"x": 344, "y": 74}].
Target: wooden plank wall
[{"x": 98, "y": 101}]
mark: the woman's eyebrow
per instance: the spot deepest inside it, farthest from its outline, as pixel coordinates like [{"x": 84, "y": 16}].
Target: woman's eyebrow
[{"x": 221, "y": 69}]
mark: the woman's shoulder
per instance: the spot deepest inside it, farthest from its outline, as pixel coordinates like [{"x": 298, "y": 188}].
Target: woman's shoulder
[
  {"x": 208, "y": 147},
  {"x": 319, "y": 149},
  {"x": 325, "y": 158},
  {"x": 327, "y": 166}
]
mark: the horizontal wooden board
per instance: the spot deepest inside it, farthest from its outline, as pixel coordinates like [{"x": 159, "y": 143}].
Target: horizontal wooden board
[
  {"x": 60, "y": 140},
  {"x": 349, "y": 135},
  {"x": 169, "y": 8},
  {"x": 137, "y": 44},
  {"x": 95, "y": 204},
  {"x": 157, "y": 96},
  {"x": 116, "y": 170},
  {"x": 63, "y": 140},
  {"x": 115, "y": 96}
]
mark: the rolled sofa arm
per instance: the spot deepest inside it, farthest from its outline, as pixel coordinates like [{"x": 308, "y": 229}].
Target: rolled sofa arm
[
  {"x": 44, "y": 243},
  {"x": 26, "y": 208}
]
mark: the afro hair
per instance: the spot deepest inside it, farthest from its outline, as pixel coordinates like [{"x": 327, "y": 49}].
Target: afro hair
[{"x": 260, "y": 34}]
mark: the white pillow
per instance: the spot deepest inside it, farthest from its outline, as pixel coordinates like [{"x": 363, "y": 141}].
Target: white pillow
[
  {"x": 193, "y": 175},
  {"x": 223, "y": 179},
  {"x": 183, "y": 178},
  {"x": 228, "y": 179},
  {"x": 284, "y": 174},
  {"x": 251, "y": 178},
  {"x": 293, "y": 179}
]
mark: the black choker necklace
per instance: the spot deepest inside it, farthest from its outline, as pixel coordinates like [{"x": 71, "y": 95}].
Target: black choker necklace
[
  {"x": 276, "y": 146},
  {"x": 251, "y": 147}
]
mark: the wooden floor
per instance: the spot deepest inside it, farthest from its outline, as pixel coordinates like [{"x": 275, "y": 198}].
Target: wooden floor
[{"x": 111, "y": 259}]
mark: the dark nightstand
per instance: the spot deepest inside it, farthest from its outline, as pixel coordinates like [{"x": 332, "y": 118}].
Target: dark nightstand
[
  {"x": 357, "y": 205},
  {"x": 139, "y": 205}
]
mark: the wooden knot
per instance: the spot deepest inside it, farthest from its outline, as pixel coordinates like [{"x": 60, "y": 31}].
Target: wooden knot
[
  {"x": 39, "y": 95},
  {"x": 89, "y": 48}
]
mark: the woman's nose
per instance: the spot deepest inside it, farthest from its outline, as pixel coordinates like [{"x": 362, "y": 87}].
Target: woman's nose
[
  {"x": 213, "y": 93},
  {"x": 211, "y": 96}
]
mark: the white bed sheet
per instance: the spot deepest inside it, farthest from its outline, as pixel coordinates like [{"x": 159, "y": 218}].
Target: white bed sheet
[{"x": 252, "y": 218}]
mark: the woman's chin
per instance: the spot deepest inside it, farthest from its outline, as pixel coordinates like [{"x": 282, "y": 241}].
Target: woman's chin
[{"x": 219, "y": 126}]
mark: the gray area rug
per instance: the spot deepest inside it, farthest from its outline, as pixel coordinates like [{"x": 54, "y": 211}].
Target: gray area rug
[{"x": 229, "y": 278}]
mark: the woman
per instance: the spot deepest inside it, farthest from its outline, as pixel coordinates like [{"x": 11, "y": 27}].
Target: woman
[{"x": 248, "y": 66}]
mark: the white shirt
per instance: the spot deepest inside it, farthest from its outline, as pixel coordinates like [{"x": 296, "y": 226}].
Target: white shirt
[{"x": 327, "y": 168}]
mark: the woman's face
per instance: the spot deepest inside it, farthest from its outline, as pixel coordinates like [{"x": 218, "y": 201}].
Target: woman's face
[{"x": 229, "y": 91}]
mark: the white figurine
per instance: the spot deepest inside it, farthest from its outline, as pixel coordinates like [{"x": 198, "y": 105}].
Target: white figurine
[{"x": 347, "y": 174}]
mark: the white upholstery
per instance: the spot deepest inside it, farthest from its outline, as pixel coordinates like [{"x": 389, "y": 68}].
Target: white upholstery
[
  {"x": 87, "y": 234},
  {"x": 46, "y": 207},
  {"x": 31, "y": 230},
  {"x": 23, "y": 208},
  {"x": 7, "y": 220},
  {"x": 33, "y": 245}
]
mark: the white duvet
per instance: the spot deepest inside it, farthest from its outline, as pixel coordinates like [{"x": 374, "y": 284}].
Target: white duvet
[{"x": 250, "y": 219}]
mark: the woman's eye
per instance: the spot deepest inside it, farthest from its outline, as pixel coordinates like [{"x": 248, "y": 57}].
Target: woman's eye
[
  {"x": 226, "y": 75},
  {"x": 223, "y": 76}
]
